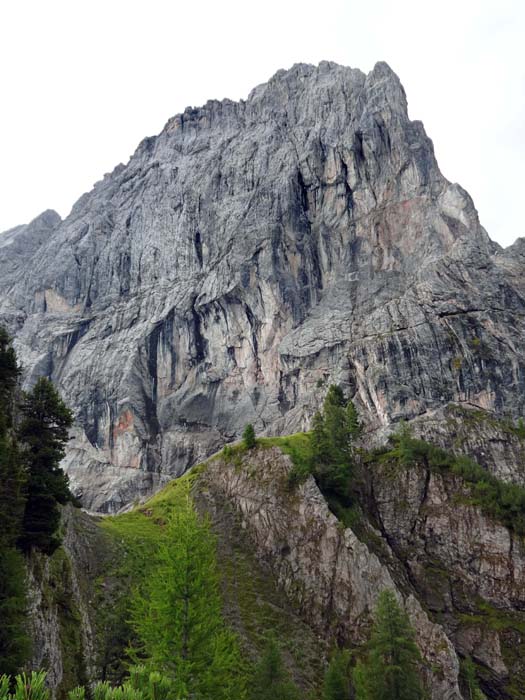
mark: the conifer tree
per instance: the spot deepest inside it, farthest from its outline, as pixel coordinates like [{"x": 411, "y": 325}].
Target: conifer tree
[
  {"x": 248, "y": 437},
  {"x": 12, "y": 473},
  {"x": 44, "y": 434},
  {"x": 177, "y": 615},
  {"x": 334, "y": 432},
  {"x": 9, "y": 375},
  {"x": 336, "y": 685},
  {"x": 14, "y": 641},
  {"x": 391, "y": 669},
  {"x": 319, "y": 440},
  {"x": 271, "y": 680}
]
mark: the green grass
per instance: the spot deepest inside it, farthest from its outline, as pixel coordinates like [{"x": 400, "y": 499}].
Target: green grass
[
  {"x": 140, "y": 531},
  {"x": 298, "y": 448}
]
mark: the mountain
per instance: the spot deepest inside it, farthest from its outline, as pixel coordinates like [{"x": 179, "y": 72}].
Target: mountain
[{"x": 250, "y": 255}]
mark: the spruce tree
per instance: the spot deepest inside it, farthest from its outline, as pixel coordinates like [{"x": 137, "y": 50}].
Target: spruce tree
[
  {"x": 44, "y": 434},
  {"x": 391, "y": 669},
  {"x": 319, "y": 441},
  {"x": 12, "y": 473},
  {"x": 334, "y": 432},
  {"x": 14, "y": 640},
  {"x": 9, "y": 376},
  {"x": 271, "y": 680},
  {"x": 248, "y": 437}
]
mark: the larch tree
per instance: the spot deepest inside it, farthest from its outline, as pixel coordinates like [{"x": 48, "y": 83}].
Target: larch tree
[
  {"x": 177, "y": 614},
  {"x": 271, "y": 680},
  {"x": 336, "y": 684}
]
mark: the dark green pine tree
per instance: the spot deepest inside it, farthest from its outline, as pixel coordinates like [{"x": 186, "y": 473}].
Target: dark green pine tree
[
  {"x": 14, "y": 641},
  {"x": 248, "y": 437},
  {"x": 12, "y": 472},
  {"x": 9, "y": 376},
  {"x": 44, "y": 433},
  {"x": 391, "y": 669},
  {"x": 333, "y": 435},
  {"x": 319, "y": 440},
  {"x": 271, "y": 680},
  {"x": 336, "y": 685}
]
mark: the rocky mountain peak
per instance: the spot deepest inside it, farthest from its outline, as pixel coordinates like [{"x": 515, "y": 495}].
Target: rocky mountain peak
[{"x": 251, "y": 254}]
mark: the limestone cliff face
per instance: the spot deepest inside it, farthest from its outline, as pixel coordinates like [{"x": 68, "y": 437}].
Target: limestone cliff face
[
  {"x": 460, "y": 574},
  {"x": 331, "y": 576},
  {"x": 248, "y": 253},
  {"x": 466, "y": 569},
  {"x": 67, "y": 639}
]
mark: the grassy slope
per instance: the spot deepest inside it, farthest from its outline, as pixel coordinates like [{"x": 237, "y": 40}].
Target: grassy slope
[{"x": 253, "y": 605}]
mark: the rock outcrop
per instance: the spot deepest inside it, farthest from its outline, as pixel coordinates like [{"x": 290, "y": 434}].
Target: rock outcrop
[
  {"x": 467, "y": 570},
  {"x": 247, "y": 255},
  {"x": 332, "y": 577},
  {"x": 65, "y": 603}
]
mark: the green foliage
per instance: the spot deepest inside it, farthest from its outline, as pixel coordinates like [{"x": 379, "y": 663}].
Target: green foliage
[
  {"x": 336, "y": 684},
  {"x": 502, "y": 501},
  {"x": 12, "y": 472},
  {"x": 271, "y": 680},
  {"x": 151, "y": 684},
  {"x": 328, "y": 452},
  {"x": 334, "y": 432},
  {"x": 44, "y": 432},
  {"x": 141, "y": 685},
  {"x": 191, "y": 645},
  {"x": 248, "y": 437},
  {"x": 12, "y": 491},
  {"x": 9, "y": 375},
  {"x": 298, "y": 447},
  {"x": 14, "y": 640},
  {"x": 391, "y": 668},
  {"x": 27, "y": 686},
  {"x": 468, "y": 675}
]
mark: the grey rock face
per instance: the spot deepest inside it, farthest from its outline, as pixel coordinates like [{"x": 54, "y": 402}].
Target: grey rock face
[
  {"x": 67, "y": 639},
  {"x": 468, "y": 570},
  {"x": 250, "y": 253},
  {"x": 332, "y": 577}
]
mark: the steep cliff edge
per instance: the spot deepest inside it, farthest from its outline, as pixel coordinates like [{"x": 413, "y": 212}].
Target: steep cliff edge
[{"x": 248, "y": 253}]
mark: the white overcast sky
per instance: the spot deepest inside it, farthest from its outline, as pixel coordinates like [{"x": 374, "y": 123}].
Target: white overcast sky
[{"x": 82, "y": 82}]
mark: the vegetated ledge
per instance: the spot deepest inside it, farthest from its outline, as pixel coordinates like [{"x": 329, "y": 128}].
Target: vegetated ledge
[{"x": 254, "y": 606}]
